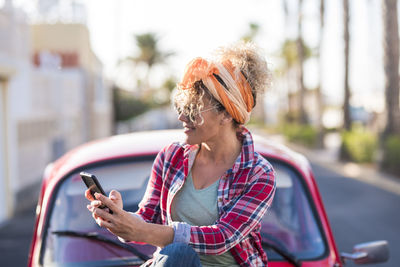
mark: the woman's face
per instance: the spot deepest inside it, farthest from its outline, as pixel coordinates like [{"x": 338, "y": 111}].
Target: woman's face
[{"x": 207, "y": 131}]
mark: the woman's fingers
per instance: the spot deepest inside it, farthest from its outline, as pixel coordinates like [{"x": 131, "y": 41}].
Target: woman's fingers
[
  {"x": 108, "y": 202},
  {"x": 116, "y": 197},
  {"x": 88, "y": 195},
  {"x": 95, "y": 203},
  {"x": 102, "y": 214},
  {"x": 103, "y": 223}
]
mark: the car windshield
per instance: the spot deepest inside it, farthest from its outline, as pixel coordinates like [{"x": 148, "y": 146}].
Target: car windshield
[{"x": 290, "y": 224}]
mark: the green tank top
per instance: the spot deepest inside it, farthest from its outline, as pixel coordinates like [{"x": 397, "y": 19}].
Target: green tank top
[{"x": 199, "y": 207}]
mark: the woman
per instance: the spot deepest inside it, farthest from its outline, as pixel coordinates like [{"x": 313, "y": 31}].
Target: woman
[{"x": 205, "y": 198}]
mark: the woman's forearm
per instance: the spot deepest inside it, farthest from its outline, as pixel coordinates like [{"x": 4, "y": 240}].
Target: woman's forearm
[{"x": 157, "y": 234}]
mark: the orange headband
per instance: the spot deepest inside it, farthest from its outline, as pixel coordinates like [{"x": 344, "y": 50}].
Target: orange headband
[{"x": 201, "y": 69}]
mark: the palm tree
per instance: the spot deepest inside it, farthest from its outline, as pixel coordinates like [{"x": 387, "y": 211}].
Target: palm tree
[
  {"x": 149, "y": 53},
  {"x": 320, "y": 103},
  {"x": 346, "y": 102},
  {"x": 289, "y": 53},
  {"x": 294, "y": 53},
  {"x": 301, "y": 57},
  {"x": 258, "y": 112},
  {"x": 391, "y": 67}
]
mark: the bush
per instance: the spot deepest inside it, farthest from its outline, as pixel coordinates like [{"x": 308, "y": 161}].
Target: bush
[
  {"x": 303, "y": 134},
  {"x": 359, "y": 146},
  {"x": 391, "y": 155},
  {"x": 126, "y": 106}
]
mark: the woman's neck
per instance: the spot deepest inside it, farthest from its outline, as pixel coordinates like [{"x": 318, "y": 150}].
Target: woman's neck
[{"x": 223, "y": 149}]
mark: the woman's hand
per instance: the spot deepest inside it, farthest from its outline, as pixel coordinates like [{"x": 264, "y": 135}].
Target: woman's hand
[
  {"x": 114, "y": 195},
  {"x": 124, "y": 224},
  {"x": 120, "y": 223}
]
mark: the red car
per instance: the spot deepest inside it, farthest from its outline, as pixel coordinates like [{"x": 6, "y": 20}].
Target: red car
[{"x": 295, "y": 230}]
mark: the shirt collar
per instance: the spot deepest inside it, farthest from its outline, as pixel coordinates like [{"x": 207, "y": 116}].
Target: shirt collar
[
  {"x": 246, "y": 156},
  {"x": 244, "y": 159}
]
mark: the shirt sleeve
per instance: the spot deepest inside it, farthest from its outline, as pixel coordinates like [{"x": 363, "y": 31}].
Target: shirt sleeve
[
  {"x": 149, "y": 207},
  {"x": 240, "y": 220}
]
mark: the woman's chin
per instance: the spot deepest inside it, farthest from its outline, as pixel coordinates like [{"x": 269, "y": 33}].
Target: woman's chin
[{"x": 190, "y": 138}]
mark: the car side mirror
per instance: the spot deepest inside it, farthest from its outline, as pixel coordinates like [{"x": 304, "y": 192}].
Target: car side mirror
[{"x": 370, "y": 252}]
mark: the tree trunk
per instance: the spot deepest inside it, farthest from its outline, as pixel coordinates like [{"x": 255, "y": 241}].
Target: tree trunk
[
  {"x": 320, "y": 101},
  {"x": 346, "y": 101},
  {"x": 300, "y": 50},
  {"x": 391, "y": 67}
]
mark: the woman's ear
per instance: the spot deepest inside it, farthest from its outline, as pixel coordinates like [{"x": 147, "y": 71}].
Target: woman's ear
[{"x": 226, "y": 118}]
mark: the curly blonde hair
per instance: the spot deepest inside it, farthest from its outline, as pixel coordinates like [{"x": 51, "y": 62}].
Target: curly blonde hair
[{"x": 244, "y": 56}]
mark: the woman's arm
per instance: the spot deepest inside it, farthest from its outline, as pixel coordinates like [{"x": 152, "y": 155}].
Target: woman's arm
[
  {"x": 129, "y": 227},
  {"x": 149, "y": 206},
  {"x": 144, "y": 225}
]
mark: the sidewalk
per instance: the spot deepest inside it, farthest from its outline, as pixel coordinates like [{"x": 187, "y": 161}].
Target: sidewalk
[
  {"x": 329, "y": 159},
  {"x": 15, "y": 238}
]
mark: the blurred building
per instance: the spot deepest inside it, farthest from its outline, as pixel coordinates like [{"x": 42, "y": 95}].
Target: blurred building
[
  {"x": 53, "y": 98},
  {"x": 82, "y": 95}
]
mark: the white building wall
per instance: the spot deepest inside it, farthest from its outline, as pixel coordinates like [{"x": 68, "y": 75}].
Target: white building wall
[
  {"x": 54, "y": 124},
  {"x": 45, "y": 111},
  {"x": 14, "y": 51},
  {"x": 3, "y": 208}
]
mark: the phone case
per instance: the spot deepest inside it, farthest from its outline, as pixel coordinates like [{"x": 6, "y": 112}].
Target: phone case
[{"x": 93, "y": 184}]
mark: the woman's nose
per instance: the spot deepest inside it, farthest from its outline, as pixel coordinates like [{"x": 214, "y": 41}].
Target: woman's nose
[{"x": 183, "y": 117}]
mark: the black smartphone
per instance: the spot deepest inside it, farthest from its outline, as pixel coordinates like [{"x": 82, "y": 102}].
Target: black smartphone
[{"x": 93, "y": 184}]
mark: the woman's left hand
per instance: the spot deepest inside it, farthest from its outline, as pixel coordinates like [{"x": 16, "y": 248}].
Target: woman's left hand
[{"x": 120, "y": 223}]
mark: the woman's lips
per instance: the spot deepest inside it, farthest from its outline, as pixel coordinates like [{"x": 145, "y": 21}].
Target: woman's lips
[{"x": 188, "y": 129}]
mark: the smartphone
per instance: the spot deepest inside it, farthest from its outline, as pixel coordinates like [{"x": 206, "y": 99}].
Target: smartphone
[{"x": 93, "y": 184}]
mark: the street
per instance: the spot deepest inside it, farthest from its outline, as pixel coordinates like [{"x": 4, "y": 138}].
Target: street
[
  {"x": 358, "y": 212},
  {"x": 15, "y": 238}
]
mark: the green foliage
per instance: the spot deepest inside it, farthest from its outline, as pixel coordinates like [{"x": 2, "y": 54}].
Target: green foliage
[
  {"x": 169, "y": 84},
  {"x": 150, "y": 53},
  {"x": 358, "y": 146},
  {"x": 289, "y": 52},
  {"x": 126, "y": 106},
  {"x": 391, "y": 154},
  {"x": 303, "y": 134},
  {"x": 254, "y": 29}
]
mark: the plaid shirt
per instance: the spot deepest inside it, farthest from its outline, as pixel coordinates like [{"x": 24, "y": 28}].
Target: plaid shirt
[{"x": 244, "y": 194}]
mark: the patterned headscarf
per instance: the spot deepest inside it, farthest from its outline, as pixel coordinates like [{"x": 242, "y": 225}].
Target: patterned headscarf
[{"x": 227, "y": 84}]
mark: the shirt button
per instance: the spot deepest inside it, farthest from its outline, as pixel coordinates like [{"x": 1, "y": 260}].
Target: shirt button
[{"x": 220, "y": 199}]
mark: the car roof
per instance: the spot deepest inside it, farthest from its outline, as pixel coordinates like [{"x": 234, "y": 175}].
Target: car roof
[{"x": 150, "y": 143}]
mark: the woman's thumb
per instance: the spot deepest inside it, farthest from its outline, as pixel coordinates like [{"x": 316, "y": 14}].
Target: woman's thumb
[{"x": 115, "y": 195}]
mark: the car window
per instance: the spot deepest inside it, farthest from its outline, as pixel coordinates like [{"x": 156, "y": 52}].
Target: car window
[
  {"x": 290, "y": 222},
  {"x": 69, "y": 213}
]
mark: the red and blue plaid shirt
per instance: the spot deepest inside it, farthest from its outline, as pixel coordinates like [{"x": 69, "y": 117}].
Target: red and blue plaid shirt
[{"x": 244, "y": 194}]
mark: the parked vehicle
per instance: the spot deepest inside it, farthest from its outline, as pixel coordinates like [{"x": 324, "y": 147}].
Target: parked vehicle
[{"x": 295, "y": 230}]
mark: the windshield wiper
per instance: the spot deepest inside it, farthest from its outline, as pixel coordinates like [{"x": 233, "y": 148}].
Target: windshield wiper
[
  {"x": 285, "y": 254},
  {"x": 97, "y": 237}
]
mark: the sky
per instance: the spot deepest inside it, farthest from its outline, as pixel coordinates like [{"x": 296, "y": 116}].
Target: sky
[{"x": 196, "y": 28}]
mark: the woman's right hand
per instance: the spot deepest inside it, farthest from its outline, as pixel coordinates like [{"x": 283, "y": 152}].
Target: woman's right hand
[{"x": 114, "y": 196}]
